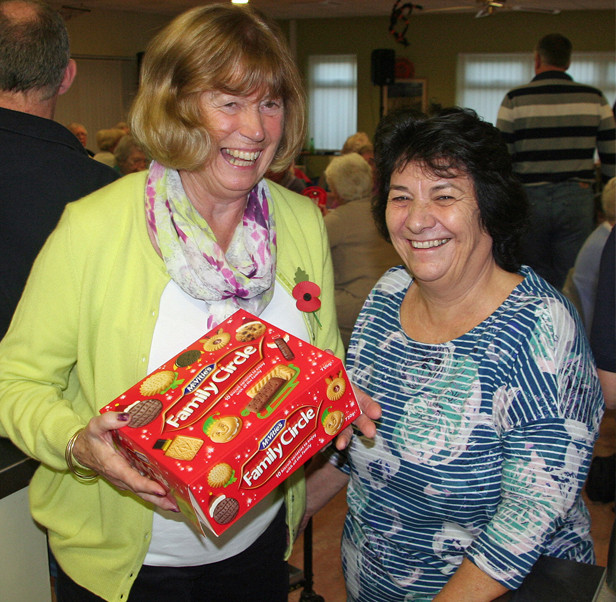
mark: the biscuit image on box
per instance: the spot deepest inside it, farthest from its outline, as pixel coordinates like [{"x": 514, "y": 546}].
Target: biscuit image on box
[
  {"x": 187, "y": 358},
  {"x": 332, "y": 421},
  {"x": 217, "y": 341},
  {"x": 143, "y": 412},
  {"x": 222, "y": 430},
  {"x": 284, "y": 348},
  {"x": 335, "y": 387},
  {"x": 224, "y": 509},
  {"x": 159, "y": 382},
  {"x": 249, "y": 331},
  {"x": 221, "y": 475},
  {"x": 266, "y": 389},
  {"x": 180, "y": 448}
]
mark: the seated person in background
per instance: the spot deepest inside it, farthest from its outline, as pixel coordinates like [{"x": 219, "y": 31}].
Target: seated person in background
[
  {"x": 490, "y": 399},
  {"x": 367, "y": 152},
  {"x": 80, "y": 132},
  {"x": 129, "y": 156},
  {"x": 355, "y": 142},
  {"x": 122, "y": 125},
  {"x": 586, "y": 269},
  {"x": 298, "y": 172},
  {"x": 106, "y": 140},
  {"x": 360, "y": 255}
]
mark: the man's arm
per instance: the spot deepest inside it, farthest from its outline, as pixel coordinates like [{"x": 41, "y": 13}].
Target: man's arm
[{"x": 504, "y": 123}]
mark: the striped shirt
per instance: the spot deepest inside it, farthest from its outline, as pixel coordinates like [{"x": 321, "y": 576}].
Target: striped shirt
[
  {"x": 552, "y": 127},
  {"x": 482, "y": 449}
]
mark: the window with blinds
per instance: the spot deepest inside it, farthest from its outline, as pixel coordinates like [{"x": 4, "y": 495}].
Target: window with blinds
[
  {"x": 332, "y": 100},
  {"x": 484, "y": 79}
]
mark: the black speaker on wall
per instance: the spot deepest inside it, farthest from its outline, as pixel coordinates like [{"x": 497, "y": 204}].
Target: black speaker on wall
[{"x": 383, "y": 66}]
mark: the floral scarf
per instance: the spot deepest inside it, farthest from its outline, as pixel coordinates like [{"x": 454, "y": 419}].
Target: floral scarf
[{"x": 243, "y": 277}]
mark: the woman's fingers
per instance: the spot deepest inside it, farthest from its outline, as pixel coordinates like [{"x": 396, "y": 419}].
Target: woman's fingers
[
  {"x": 367, "y": 405},
  {"x": 370, "y": 411},
  {"x": 95, "y": 449}
]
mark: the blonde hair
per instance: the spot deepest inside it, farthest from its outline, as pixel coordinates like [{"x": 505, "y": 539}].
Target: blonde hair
[
  {"x": 354, "y": 142},
  {"x": 608, "y": 200},
  {"x": 350, "y": 176},
  {"x": 106, "y": 140},
  {"x": 224, "y": 48}
]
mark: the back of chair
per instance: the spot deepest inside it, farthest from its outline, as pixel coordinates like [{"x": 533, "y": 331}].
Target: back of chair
[{"x": 318, "y": 196}]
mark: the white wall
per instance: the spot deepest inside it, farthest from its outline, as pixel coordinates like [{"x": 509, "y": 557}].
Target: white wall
[{"x": 24, "y": 571}]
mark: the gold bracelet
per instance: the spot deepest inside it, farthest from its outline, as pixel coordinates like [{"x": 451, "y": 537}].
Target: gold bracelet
[{"x": 70, "y": 460}]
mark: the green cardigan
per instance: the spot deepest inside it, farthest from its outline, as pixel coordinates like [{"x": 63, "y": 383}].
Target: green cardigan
[{"x": 81, "y": 335}]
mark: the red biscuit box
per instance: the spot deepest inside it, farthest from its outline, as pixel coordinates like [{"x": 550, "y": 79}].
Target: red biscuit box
[{"x": 229, "y": 418}]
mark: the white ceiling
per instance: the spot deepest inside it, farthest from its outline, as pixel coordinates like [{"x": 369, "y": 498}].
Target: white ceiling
[{"x": 302, "y": 9}]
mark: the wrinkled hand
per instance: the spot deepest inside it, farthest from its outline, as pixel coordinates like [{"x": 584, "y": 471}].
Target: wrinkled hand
[
  {"x": 370, "y": 411},
  {"x": 95, "y": 449}
]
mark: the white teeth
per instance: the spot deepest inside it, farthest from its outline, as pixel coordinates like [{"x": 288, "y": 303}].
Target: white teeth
[
  {"x": 239, "y": 157},
  {"x": 428, "y": 244}
]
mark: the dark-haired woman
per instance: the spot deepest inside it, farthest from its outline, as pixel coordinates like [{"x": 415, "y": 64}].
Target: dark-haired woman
[{"x": 490, "y": 401}]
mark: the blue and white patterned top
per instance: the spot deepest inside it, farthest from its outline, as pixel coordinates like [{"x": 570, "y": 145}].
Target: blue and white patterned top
[{"x": 482, "y": 450}]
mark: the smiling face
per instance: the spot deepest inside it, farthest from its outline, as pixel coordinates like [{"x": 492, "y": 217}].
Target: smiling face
[
  {"x": 246, "y": 131},
  {"x": 136, "y": 161},
  {"x": 435, "y": 226},
  {"x": 225, "y": 429},
  {"x": 80, "y": 133}
]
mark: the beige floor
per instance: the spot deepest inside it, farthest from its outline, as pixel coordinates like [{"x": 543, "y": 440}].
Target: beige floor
[{"x": 327, "y": 529}]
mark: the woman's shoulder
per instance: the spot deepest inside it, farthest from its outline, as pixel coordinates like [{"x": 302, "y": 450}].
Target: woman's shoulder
[
  {"x": 122, "y": 197},
  {"x": 108, "y": 215},
  {"x": 536, "y": 293},
  {"x": 288, "y": 203},
  {"x": 394, "y": 280},
  {"x": 537, "y": 309},
  {"x": 388, "y": 291}
]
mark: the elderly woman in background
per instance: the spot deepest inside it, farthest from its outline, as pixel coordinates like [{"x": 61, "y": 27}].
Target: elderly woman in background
[
  {"x": 491, "y": 403},
  {"x": 107, "y": 140},
  {"x": 129, "y": 156},
  {"x": 355, "y": 142},
  {"x": 360, "y": 255},
  {"x": 80, "y": 132},
  {"x": 139, "y": 270}
]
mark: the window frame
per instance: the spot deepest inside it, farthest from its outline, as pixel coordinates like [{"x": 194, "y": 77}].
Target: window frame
[
  {"x": 329, "y": 123},
  {"x": 494, "y": 86}
]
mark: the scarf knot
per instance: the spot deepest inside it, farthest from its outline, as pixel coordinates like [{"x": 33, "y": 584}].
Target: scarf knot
[{"x": 243, "y": 277}]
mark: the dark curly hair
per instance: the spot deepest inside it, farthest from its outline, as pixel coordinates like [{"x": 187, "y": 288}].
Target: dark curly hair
[{"x": 456, "y": 141}]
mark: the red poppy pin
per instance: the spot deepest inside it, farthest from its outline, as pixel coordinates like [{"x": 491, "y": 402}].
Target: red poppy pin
[{"x": 306, "y": 294}]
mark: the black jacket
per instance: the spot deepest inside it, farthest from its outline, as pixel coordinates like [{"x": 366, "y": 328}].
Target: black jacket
[{"x": 42, "y": 167}]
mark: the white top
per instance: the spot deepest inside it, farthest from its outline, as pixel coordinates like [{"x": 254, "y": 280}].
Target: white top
[{"x": 175, "y": 540}]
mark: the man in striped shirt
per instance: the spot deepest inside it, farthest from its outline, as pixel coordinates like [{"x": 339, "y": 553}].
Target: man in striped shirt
[{"x": 552, "y": 127}]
